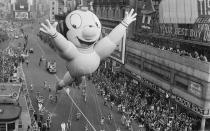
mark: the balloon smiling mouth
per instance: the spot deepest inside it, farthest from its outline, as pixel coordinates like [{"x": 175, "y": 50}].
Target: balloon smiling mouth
[{"x": 85, "y": 43}]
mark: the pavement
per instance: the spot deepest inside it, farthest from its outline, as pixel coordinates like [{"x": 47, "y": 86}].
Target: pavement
[
  {"x": 66, "y": 107},
  {"x": 25, "y": 117}
]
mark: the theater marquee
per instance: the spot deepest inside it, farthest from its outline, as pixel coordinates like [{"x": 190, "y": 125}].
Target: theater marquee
[
  {"x": 119, "y": 52},
  {"x": 21, "y": 15}
]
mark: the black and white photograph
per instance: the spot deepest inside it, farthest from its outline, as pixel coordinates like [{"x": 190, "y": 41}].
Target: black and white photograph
[{"x": 104, "y": 65}]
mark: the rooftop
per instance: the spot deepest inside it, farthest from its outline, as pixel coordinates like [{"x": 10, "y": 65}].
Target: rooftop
[
  {"x": 9, "y": 112},
  {"x": 9, "y": 89}
]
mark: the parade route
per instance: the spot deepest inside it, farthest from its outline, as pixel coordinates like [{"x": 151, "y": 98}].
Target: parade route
[{"x": 64, "y": 109}]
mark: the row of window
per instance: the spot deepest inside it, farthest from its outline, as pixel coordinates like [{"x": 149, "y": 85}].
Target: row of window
[
  {"x": 161, "y": 72},
  {"x": 7, "y": 126}
]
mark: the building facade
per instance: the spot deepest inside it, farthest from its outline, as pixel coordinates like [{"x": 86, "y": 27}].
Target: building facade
[
  {"x": 4, "y": 9},
  {"x": 161, "y": 44},
  {"x": 22, "y": 9},
  {"x": 53, "y": 9}
]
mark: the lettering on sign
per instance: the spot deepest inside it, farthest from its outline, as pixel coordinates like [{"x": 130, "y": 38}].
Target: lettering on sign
[
  {"x": 195, "y": 88},
  {"x": 200, "y": 33},
  {"x": 21, "y": 15},
  {"x": 203, "y": 7},
  {"x": 191, "y": 106},
  {"x": 202, "y": 20},
  {"x": 170, "y": 30}
]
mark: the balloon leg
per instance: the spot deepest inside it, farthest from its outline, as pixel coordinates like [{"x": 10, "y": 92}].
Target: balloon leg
[{"x": 67, "y": 79}]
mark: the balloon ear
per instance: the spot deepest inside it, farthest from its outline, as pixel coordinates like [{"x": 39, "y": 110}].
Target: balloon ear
[{"x": 62, "y": 28}]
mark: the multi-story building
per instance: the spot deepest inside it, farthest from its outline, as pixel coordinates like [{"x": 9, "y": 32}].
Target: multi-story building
[
  {"x": 69, "y": 5},
  {"x": 66, "y": 6},
  {"x": 53, "y": 9},
  {"x": 168, "y": 45},
  {"x": 22, "y": 9},
  {"x": 4, "y": 9}
]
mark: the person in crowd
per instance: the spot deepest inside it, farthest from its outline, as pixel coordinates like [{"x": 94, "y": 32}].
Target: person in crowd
[
  {"x": 140, "y": 103},
  {"x": 86, "y": 127},
  {"x": 28, "y": 128},
  {"x": 69, "y": 124},
  {"x": 31, "y": 87},
  {"x": 27, "y": 62},
  {"x": 102, "y": 120},
  {"x": 85, "y": 97},
  {"x": 78, "y": 115},
  {"x": 118, "y": 129},
  {"x": 63, "y": 126},
  {"x": 45, "y": 84},
  {"x": 39, "y": 124},
  {"x": 49, "y": 88},
  {"x": 48, "y": 121},
  {"x": 112, "y": 105},
  {"x": 40, "y": 61}
]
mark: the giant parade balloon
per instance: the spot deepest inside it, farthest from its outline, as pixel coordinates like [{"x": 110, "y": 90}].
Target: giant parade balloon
[{"x": 81, "y": 46}]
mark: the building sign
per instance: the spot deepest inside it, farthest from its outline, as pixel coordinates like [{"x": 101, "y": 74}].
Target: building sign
[
  {"x": 175, "y": 31},
  {"x": 203, "y": 7},
  {"x": 21, "y": 6},
  {"x": 200, "y": 33},
  {"x": 21, "y": 15},
  {"x": 191, "y": 106},
  {"x": 195, "y": 88},
  {"x": 119, "y": 53}
]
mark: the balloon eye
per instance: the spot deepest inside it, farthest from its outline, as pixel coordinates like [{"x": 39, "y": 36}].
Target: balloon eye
[
  {"x": 96, "y": 24},
  {"x": 75, "y": 20},
  {"x": 74, "y": 26}
]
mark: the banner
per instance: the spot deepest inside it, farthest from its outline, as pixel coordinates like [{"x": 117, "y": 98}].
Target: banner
[
  {"x": 119, "y": 53},
  {"x": 21, "y": 15},
  {"x": 195, "y": 88},
  {"x": 199, "y": 33}
]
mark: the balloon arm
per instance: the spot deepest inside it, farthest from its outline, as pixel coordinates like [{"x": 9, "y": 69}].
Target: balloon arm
[
  {"x": 66, "y": 48},
  {"x": 107, "y": 45},
  {"x": 117, "y": 33}
]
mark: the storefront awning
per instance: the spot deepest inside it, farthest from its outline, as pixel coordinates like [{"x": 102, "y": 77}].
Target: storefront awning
[
  {"x": 178, "y": 11},
  {"x": 9, "y": 112},
  {"x": 147, "y": 12},
  {"x": 203, "y": 20}
]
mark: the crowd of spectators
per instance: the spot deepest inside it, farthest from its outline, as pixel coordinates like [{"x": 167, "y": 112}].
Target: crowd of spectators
[
  {"x": 3, "y": 36},
  {"x": 8, "y": 66},
  {"x": 182, "y": 52},
  {"x": 136, "y": 101}
]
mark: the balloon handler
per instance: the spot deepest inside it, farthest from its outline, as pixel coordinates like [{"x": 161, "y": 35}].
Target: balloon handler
[{"x": 80, "y": 45}]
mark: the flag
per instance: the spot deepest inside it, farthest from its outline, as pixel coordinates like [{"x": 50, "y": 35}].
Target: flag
[{"x": 147, "y": 10}]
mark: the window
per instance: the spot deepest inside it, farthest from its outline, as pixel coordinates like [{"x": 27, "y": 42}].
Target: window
[
  {"x": 157, "y": 70},
  {"x": 134, "y": 60},
  {"x": 181, "y": 82},
  {"x": 2, "y": 126},
  {"x": 11, "y": 126},
  {"x": 53, "y": 2},
  {"x": 53, "y": 13},
  {"x": 53, "y": 8}
]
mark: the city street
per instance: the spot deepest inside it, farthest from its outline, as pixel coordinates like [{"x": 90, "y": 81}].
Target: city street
[
  {"x": 64, "y": 109},
  {"x": 150, "y": 57}
]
